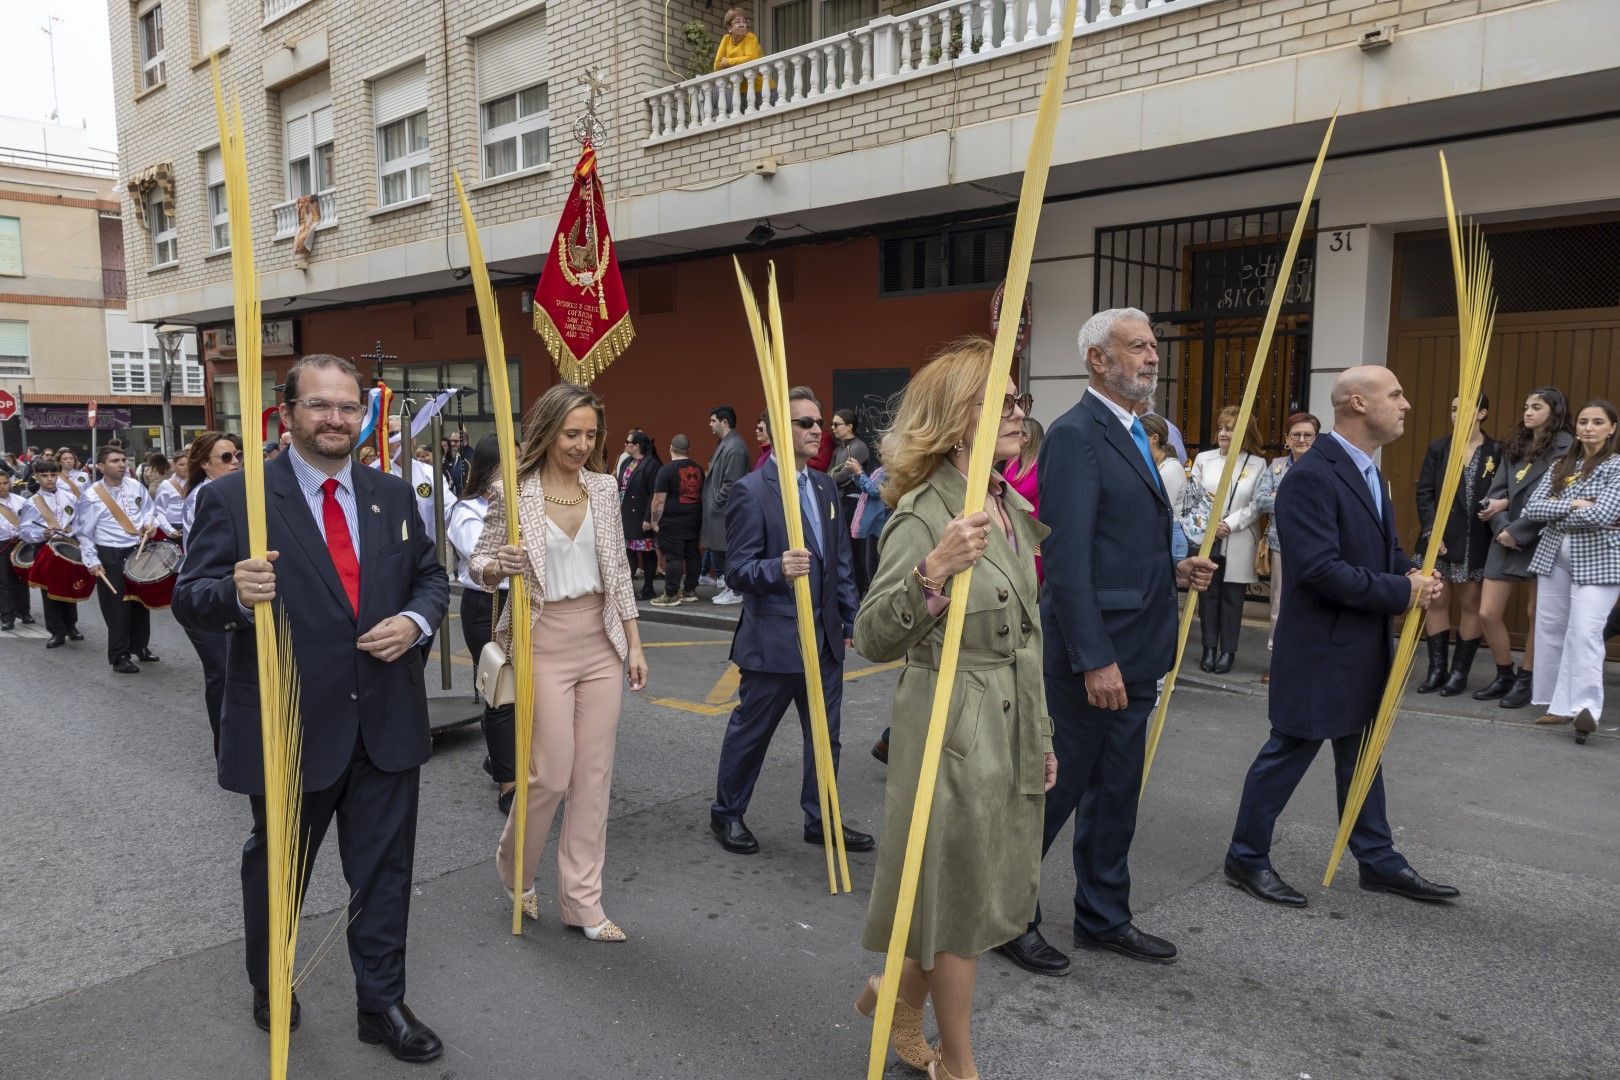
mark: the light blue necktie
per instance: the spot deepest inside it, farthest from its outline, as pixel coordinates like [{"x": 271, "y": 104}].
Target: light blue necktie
[
  {"x": 807, "y": 500},
  {"x": 1371, "y": 475},
  {"x": 1140, "y": 435}
]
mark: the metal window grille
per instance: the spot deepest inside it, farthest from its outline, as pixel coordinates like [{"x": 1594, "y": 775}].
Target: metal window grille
[
  {"x": 1550, "y": 268},
  {"x": 965, "y": 257}
]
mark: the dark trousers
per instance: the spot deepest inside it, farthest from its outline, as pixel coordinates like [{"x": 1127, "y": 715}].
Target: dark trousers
[
  {"x": 763, "y": 699},
  {"x": 1271, "y": 782},
  {"x": 681, "y": 566},
  {"x": 1099, "y": 780},
  {"x": 129, "y": 624},
  {"x": 14, "y": 599},
  {"x": 647, "y": 563},
  {"x": 1220, "y": 612},
  {"x": 864, "y": 557},
  {"x": 499, "y": 735},
  {"x": 376, "y": 818},
  {"x": 61, "y": 616},
  {"x": 211, "y": 650}
]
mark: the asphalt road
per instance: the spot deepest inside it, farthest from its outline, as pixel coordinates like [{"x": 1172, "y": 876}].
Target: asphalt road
[{"x": 120, "y": 935}]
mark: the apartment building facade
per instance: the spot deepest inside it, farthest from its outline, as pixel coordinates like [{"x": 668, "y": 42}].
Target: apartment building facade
[
  {"x": 873, "y": 153},
  {"x": 66, "y": 344}
]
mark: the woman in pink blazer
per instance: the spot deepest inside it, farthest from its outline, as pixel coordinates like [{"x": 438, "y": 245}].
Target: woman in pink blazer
[{"x": 586, "y": 643}]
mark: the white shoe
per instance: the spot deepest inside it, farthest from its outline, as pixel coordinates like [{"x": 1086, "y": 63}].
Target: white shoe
[
  {"x": 727, "y": 597},
  {"x": 708, "y": 579}
]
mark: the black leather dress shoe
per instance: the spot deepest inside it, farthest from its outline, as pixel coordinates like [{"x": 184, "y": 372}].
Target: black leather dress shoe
[
  {"x": 56, "y": 642},
  {"x": 74, "y": 635},
  {"x": 880, "y": 750},
  {"x": 1262, "y": 884},
  {"x": 8, "y": 624},
  {"x": 146, "y": 656},
  {"x": 1133, "y": 943},
  {"x": 1208, "y": 661},
  {"x": 503, "y": 801},
  {"x": 853, "y": 841},
  {"x": 1408, "y": 883},
  {"x": 1224, "y": 662},
  {"x": 28, "y": 620},
  {"x": 125, "y": 666},
  {"x": 1034, "y": 953},
  {"x": 261, "y": 1010},
  {"x": 406, "y": 1037},
  {"x": 734, "y": 836}
]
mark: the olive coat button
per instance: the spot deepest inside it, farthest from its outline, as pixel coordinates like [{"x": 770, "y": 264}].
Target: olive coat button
[
  {"x": 1024, "y": 626},
  {"x": 1006, "y": 706},
  {"x": 1003, "y": 630},
  {"x": 1001, "y": 594}
]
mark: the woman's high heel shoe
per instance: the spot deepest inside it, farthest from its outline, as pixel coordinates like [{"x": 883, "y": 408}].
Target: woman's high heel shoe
[
  {"x": 905, "y": 1031},
  {"x": 937, "y": 1071},
  {"x": 531, "y": 905}
]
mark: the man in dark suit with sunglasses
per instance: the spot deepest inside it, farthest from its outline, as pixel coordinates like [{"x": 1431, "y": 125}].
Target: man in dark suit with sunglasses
[{"x": 761, "y": 568}]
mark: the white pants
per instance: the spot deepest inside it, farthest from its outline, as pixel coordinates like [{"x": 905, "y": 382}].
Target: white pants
[{"x": 1569, "y": 640}]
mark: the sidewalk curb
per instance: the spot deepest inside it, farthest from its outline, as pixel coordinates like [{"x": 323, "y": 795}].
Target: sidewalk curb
[{"x": 681, "y": 616}]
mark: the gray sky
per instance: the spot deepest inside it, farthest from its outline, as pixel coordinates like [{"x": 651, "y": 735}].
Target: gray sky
[{"x": 83, "y": 65}]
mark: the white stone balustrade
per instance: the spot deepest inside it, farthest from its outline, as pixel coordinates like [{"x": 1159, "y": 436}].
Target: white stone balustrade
[
  {"x": 287, "y": 215},
  {"x": 887, "y": 50}
]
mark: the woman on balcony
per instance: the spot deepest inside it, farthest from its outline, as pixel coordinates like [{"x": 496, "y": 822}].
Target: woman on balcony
[{"x": 739, "y": 46}]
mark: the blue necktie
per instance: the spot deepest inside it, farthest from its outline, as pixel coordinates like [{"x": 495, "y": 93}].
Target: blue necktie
[
  {"x": 1371, "y": 475},
  {"x": 1140, "y": 435},
  {"x": 807, "y": 500}
]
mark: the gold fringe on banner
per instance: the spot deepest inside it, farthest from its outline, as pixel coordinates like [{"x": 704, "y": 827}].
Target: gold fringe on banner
[
  {"x": 583, "y": 369},
  {"x": 522, "y": 657},
  {"x": 280, "y": 730},
  {"x": 1476, "y": 317},
  {"x": 1030, "y": 199},
  {"x": 1251, "y": 390}
]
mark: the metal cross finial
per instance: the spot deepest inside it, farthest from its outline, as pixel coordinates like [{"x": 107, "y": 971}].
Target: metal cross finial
[
  {"x": 589, "y": 128},
  {"x": 377, "y": 358}
]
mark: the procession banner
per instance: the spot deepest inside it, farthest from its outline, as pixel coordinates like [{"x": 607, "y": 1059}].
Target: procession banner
[{"x": 580, "y": 309}]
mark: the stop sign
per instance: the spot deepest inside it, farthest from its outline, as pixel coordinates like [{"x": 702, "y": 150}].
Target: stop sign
[{"x": 8, "y": 406}]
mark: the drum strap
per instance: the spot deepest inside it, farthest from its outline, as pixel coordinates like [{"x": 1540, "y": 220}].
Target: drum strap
[
  {"x": 47, "y": 513},
  {"x": 115, "y": 510},
  {"x": 176, "y": 483},
  {"x": 10, "y": 515},
  {"x": 68, "y": 480}
]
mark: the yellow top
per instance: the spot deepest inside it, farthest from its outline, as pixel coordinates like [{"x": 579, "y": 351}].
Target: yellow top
[{"x": 731, "y": 53}]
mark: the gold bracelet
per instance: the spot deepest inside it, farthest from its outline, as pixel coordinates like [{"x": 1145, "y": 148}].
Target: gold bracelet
[{"x": 927, "y": 583}]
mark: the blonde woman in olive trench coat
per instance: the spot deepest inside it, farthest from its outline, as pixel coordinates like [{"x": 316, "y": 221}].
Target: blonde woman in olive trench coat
[{"x": 981, "y": 863}]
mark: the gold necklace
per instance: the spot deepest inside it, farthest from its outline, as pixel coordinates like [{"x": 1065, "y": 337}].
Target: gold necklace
[{"x": 550, "y": 498}]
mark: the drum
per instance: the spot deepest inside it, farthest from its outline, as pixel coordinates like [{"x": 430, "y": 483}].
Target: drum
[
  {"x": 22, "y": 558},
  {"x": 59, "y": 569},
  {"x": 150, "y": 573}
]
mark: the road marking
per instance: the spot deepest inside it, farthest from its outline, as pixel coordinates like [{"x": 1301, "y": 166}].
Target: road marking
[
  {"x": 720, "y": 699},
  {"x": 680, "y": 644}
]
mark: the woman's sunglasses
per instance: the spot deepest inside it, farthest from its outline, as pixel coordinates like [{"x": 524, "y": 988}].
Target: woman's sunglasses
[{"x": 229, "y": 457}]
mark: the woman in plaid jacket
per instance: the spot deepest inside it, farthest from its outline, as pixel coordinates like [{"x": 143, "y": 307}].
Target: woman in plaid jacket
[{"x": 1578, "y": 565}]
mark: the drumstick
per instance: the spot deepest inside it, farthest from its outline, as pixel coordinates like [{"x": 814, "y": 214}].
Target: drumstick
[
  {"x": 102, "y": 574},
  {"x": 142, "y": 546}
]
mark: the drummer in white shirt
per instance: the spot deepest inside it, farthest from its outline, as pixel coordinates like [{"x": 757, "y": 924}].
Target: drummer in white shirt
[
  {"x": 213, "y": 454},
  {"x": 46, "y": 516},
  {"x": 114, "y": 515},
  {"x": 14, "y": 601},
  {"x": 464, "y": 524},
  {"x": 75, "y": 478}
]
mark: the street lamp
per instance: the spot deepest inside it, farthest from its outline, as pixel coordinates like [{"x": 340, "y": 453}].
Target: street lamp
[{"x": 169, "y": 345}]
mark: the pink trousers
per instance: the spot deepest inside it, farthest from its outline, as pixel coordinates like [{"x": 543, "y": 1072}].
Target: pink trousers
[{"x": 578, "y": 689}]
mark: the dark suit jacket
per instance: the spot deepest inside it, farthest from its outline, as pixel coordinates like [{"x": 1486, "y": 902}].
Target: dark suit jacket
[
  {"x": 1110, "y": 594},
  {"x": 767, "y": 637},
  {"x": 343, "y": 691},
  {"x": 1344, "y": 577},
  {"x": 1463, "y": 529}
]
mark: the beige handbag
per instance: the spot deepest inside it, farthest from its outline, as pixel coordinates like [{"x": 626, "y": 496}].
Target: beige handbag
[{"x": 495, "y": 682}]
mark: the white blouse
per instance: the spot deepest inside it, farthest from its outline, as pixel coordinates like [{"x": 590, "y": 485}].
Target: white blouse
[
  {"x": 571, "y": 569},
  {"x": 1174, "y": 478},
  {"x": 464, "y": 524}
]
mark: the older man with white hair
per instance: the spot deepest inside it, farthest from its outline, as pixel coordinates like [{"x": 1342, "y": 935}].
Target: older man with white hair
[{"x": 1109, "y": 616}]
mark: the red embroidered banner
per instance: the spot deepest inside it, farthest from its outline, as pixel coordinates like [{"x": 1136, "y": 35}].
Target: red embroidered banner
[{"x": 580, "y": 309}]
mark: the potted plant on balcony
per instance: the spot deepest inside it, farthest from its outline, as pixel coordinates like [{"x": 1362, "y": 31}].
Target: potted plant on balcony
[{"x": 699, "y": 48}]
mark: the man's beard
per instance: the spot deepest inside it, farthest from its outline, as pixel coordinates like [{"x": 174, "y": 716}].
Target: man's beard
[
  {"x": 313, "y": 447},
  {"x": 1116, "y": 382}
]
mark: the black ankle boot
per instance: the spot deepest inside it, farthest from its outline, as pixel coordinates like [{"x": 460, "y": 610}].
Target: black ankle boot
[
  {"x": 1438, "y": 647},
  {"x": 1519, "y": 696},
  {"x": 1208, "y": 661},
  {"x": 1461, "y": 662},
  {"x": 1497, "y": 686}
]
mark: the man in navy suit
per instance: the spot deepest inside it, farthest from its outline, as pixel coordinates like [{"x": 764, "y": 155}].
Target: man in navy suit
[
  {"x": 760, "y": 567},
  {"x": 358, "y": 581},
  {"x": 1346, "y": 578},
  {"x": 1108, "y": 612}
]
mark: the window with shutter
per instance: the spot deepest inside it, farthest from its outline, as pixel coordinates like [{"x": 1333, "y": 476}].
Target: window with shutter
[
  {"x": 14, "y": 348},
  {"x": 213, "y": 26},
  {"x": 149, "y": 33},
  {"x": 11, "y": 253},
  {"x": 219, "y": 219},
  {"x": 514, "y": 106},
  {"x": 306, "y": 116},
  {"x": 399, "y": 107},
  {"x": 967, "y": 257}
]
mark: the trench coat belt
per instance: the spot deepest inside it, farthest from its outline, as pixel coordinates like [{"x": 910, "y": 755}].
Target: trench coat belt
[{"x": 1031, "y": 726}]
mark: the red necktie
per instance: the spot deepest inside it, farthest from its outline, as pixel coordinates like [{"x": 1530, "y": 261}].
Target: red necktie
[{"x": 339, "y": 543}]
